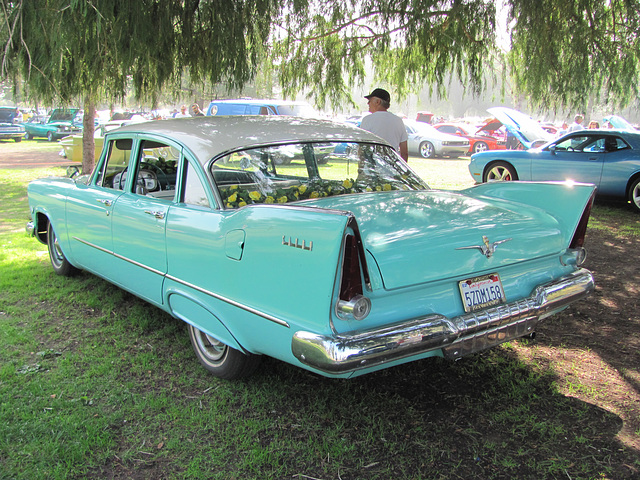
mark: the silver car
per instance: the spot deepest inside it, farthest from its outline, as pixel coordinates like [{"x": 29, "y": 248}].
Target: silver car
[{"x": 428, "y": 142}]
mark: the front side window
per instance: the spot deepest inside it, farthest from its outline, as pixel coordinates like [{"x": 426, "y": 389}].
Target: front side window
[
  {"x": 301, "y": 171},
  {"x": 581, "y": 143}
]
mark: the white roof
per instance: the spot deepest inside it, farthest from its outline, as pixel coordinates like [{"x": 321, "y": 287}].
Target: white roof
[{"x": 208, "y": 137}]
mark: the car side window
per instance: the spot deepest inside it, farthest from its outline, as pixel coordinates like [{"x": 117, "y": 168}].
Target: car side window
[
  {"x": 574, "y": 144},
  {"x": 156, "y": 169},
  {"x": 596, "y": 146},
  {"x": 113, "y": 173},
  {"x": 194, "y": 192},
  {"x": 613, "y": 144}
]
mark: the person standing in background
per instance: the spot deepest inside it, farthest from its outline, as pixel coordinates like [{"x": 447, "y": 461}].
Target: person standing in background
[
  {"x": 385, "y": 124},
  {"x": 577, "y": 124}
]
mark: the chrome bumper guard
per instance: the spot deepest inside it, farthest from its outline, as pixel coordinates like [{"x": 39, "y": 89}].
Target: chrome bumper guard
[
  {"x": 30, "y": 228},
  {"x": 457, "y": 337}
]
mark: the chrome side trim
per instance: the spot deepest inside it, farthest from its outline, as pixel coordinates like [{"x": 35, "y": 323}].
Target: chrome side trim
[
  {"x": 190, "y": 285},
  {"x": 457, "y": 336},
  {"x": 230, "y": 301}
]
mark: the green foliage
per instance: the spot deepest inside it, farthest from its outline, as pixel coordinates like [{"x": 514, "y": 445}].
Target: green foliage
[
  {"x": 571, "y": 52},
  {"x": 69, "y": 49},
  {"x": 408, "y": 43}
]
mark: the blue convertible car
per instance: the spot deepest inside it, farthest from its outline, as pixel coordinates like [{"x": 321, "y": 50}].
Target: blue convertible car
[
  {"x": 344, "y": 267},
  {"x": 608, "y": 159}
]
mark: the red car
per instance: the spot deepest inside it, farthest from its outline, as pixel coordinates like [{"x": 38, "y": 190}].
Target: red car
[{"x": 478, "y": 140}]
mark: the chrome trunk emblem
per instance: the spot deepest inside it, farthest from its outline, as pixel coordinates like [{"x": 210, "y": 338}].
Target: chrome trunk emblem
[{"x": 487, "y": 249}]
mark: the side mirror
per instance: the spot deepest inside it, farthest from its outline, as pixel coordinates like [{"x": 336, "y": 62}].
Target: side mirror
[
  {"x": 73, "y": 171},
  {"x": 552, "y": 149}
]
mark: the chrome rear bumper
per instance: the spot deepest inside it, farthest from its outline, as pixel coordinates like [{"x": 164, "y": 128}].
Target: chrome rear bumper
[{"x": 458, "y": 336}]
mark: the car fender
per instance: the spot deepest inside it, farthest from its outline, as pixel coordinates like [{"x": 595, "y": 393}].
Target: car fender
[{"x": 184, "y": 306}]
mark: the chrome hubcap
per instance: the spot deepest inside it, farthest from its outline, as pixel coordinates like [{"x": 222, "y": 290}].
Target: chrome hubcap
[{"x": 210, "y": 347}]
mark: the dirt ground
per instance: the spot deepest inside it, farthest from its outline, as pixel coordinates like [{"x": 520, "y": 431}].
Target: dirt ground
[
  {"x": 598, "y": 340},
  {"x": 595, "y": 344}
]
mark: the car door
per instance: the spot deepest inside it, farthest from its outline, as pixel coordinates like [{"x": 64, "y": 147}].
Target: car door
[
  {"x": 140, "y": 215},
  {"x": 413, "y": 140},
  {"x": 194, "y": 242},
  {"x": 90, "y": 210},
  {"x": 578, "y": 157}
]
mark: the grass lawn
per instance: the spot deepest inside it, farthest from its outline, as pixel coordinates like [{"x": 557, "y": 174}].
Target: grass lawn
[{"x": 95, "y": 383}]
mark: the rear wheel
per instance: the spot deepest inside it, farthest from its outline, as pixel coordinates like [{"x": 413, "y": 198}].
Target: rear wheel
[
  {"x": 500, "y": 172},
  {"x": 220, "y": 359},
  {"x": 50, "y": 136},
  {"x": 634, "y": 193},
  {"x": 426, "y": 150},
  {"x": 59, "y": 262},
  {"x": 28, "y": 136}
]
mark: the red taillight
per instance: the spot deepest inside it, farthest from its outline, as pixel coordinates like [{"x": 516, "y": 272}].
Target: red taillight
[
  {"x": 351, "y": 278},
  {"x": 352, "y": 303},
  {"x": 578, "y": 236}
]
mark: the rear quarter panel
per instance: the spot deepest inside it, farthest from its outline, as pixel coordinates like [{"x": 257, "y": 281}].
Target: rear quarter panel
[{"x": 291, "y": 287}]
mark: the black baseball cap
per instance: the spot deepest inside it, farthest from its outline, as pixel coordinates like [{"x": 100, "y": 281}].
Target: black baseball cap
[{"x": 381, "y": 93}]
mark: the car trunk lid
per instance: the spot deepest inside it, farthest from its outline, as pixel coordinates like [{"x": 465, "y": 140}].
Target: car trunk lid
[{"x": 420, "y": 237}]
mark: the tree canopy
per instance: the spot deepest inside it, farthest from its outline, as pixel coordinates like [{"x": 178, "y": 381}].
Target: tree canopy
[{"x": 559, "y": 53}]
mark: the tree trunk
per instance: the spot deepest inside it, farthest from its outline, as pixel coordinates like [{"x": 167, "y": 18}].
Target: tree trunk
[{"x": 88, "y": 130}]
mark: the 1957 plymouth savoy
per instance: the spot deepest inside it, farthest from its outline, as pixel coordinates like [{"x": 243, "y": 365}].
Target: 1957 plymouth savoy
[{"x": 342, "y": 267}]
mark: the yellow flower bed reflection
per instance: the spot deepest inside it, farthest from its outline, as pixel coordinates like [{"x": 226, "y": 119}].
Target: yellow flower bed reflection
[{"x": 235, "y": 196}]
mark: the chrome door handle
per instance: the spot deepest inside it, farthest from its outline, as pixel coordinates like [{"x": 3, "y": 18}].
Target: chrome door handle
[
  {"x": 105, "y": 201},
  {"x": 156, "y": 214}
]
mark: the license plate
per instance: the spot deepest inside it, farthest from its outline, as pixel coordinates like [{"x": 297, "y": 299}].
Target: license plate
[{"x": 481, "y": 292}]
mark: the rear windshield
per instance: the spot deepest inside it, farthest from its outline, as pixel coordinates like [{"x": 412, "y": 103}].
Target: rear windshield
[
  {"x": 302, "y": 171},
  {"x": 60, "y": 115}
]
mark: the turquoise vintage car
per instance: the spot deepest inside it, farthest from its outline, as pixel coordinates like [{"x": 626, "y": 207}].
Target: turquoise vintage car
[
  {"x": 55, "y": 126},
  {"x": 340, "y": 268}
]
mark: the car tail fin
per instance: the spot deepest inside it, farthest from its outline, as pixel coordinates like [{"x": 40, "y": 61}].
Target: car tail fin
[{"x": 578, "y": 236}]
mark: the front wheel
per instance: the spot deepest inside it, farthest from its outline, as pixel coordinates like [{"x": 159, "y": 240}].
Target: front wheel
[
  {"x": 28, "y": 136},
  {"x": 426, "y": 150},
  {"x": 50, "y": 136},
  {"x": 220, "y": 359},
  {"x": 500, "y": 172},
  {"x": 480, "y": 147},
  {"x": 59, "y": 262},
  {"x": 634, "y": 194}
]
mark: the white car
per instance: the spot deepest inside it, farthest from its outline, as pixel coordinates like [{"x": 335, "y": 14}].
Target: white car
[{"x": 428, "y": 142}]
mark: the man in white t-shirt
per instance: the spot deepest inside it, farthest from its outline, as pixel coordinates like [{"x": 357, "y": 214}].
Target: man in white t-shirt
[
  {"x": 577, "y": 124},
  {"x": 385, "y": 124}
]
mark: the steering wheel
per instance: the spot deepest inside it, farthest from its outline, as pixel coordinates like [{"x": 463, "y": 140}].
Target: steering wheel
[
  {"x": 147, "y": 181},
  {"x": 161, "y": 179}
]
